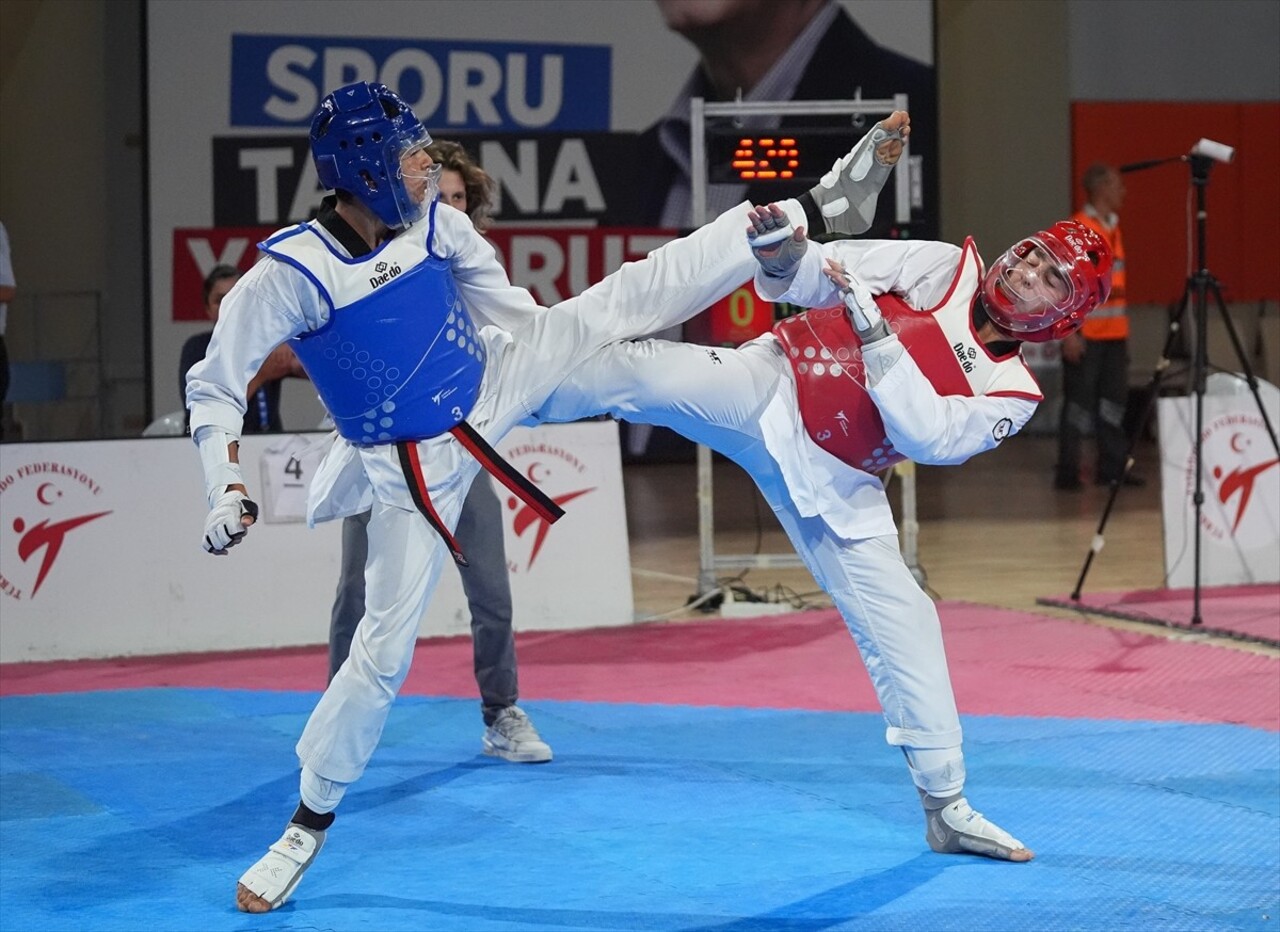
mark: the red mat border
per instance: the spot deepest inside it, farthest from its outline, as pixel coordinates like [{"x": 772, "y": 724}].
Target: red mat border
[{"x": 1004, "y": 662}]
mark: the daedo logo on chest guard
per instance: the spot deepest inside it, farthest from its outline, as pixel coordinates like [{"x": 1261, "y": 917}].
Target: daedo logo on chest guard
[
  {"x": 965, "y": 355},
  {"x": 386, "y": 271}
]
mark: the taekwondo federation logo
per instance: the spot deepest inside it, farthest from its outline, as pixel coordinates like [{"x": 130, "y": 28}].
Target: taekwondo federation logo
[
  {"x": 45, "y": 504},
  {"x": 1241, "y": 479},
  {"x": 559, "y": 474}
]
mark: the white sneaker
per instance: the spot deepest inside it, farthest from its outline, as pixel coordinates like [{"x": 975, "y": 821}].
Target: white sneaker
[
  {"x": 267, "y": 884},
  {"x": 513, "y": 737},
  {"x": 955, "y": 827}
]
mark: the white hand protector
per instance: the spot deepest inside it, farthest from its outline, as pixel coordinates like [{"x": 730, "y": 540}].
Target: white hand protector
[
  {"x": 867, "y": 320},
  {"x": 879, "y": 352},
  {"x": 219, "y": 471},
  {"x": 773, "y": 241},
  {"x": 224, "y": 527}
]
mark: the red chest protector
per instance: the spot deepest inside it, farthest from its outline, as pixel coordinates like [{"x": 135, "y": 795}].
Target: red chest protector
[{"x": 826, "y": 357}]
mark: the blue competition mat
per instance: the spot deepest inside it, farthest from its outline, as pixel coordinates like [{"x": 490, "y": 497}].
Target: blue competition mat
[{"x": 139, "y": 810}]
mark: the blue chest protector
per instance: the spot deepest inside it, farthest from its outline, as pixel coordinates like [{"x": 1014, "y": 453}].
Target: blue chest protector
[{"x": 399, "y": 359}]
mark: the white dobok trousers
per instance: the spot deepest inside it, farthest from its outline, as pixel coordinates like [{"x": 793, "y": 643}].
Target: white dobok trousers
[
  {"x": 731, "y": 401},
  {"x": 525, "y": 366}
]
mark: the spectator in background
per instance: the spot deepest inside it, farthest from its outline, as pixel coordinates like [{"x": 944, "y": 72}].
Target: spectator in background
[
  {"x": 8, "y": 288},
  {"x": 1095, "y": 360},
  {"x": 464, "y": 185},
  {"x": 509, "y": 734},
  {"x": 263, "y": 414}
]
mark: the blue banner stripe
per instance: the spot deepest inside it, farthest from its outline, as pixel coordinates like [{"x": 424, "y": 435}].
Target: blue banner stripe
[{"x": 451, "y": 85}]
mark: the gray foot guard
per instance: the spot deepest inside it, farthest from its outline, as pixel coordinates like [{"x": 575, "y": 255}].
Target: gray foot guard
[
  {"x": 952, "y": 826},
  {"x": 847, "y": 194}
]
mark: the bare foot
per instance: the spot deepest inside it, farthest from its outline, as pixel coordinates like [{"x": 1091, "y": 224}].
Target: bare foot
[
  {"x": 249, "y": 902},
  {"x": 889, "y": 151}
]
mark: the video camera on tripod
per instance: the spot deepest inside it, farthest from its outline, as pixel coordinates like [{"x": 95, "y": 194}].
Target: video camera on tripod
[
  {"x": 1204, "y": 149},
  {"x": 1200, "y": 285}
]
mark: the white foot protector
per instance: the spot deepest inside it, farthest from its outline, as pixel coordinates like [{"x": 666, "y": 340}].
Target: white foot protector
[
  {"x": 273, "y": 878},
  {"x": 952, "y": 826}
]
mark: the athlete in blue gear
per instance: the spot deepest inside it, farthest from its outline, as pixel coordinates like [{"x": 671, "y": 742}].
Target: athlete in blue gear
[{"x": 426, "y": 355}]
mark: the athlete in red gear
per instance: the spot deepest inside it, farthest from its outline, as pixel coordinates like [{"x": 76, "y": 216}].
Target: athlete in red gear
[{"x": 912, "y": 354}]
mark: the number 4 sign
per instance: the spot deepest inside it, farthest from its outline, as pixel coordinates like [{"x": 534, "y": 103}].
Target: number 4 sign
[{"x": 287, "y": 468}]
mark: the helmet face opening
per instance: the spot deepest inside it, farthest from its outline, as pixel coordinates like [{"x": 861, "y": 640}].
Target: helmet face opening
[
  {"x": 1042, "y": 288},
  {"x": 1035, "y": 283},
  {"x": 417, "y": 177},
  {"x": 367, "y": 141}
]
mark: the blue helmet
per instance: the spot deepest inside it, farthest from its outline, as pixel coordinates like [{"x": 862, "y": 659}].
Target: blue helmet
[{"x": 359, "y": 137}]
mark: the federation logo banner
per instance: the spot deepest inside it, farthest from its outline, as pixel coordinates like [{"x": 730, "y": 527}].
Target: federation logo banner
[{"x": 1240, "y": 477}]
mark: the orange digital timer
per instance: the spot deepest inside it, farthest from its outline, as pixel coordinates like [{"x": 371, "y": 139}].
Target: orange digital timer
[
  {"x": 765, "y": 158},
  {"x": 795, "y": 156}
]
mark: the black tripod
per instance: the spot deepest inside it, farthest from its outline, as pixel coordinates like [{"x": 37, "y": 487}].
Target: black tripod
[{"x": 1200, "y": 285}]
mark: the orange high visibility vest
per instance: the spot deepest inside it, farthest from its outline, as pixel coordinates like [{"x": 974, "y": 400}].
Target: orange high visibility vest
[{"x": 1109, "y": 321}]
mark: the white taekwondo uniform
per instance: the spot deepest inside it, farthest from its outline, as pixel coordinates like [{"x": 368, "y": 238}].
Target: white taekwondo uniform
[{"x": 768, "y": 404}]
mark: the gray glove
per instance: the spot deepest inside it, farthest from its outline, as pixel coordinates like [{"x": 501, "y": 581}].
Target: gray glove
[{"x": 773, "y": 242}]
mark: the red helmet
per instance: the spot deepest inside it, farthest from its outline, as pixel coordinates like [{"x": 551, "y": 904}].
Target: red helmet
[{"x": 1043, "y": 288}]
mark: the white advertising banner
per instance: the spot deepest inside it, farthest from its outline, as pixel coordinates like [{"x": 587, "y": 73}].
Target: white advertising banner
[
  {"x": 1240, "y": 479},
  {"x": 100, "y": 548}
]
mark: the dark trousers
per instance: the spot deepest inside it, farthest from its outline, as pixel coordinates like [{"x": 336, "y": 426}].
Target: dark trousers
[
  {"x": 1095, "y": 393},
  {"x": 485, "y": 582}
]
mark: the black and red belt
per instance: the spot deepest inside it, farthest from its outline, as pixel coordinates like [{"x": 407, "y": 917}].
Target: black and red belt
[{"x": 493, "y": 464}]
